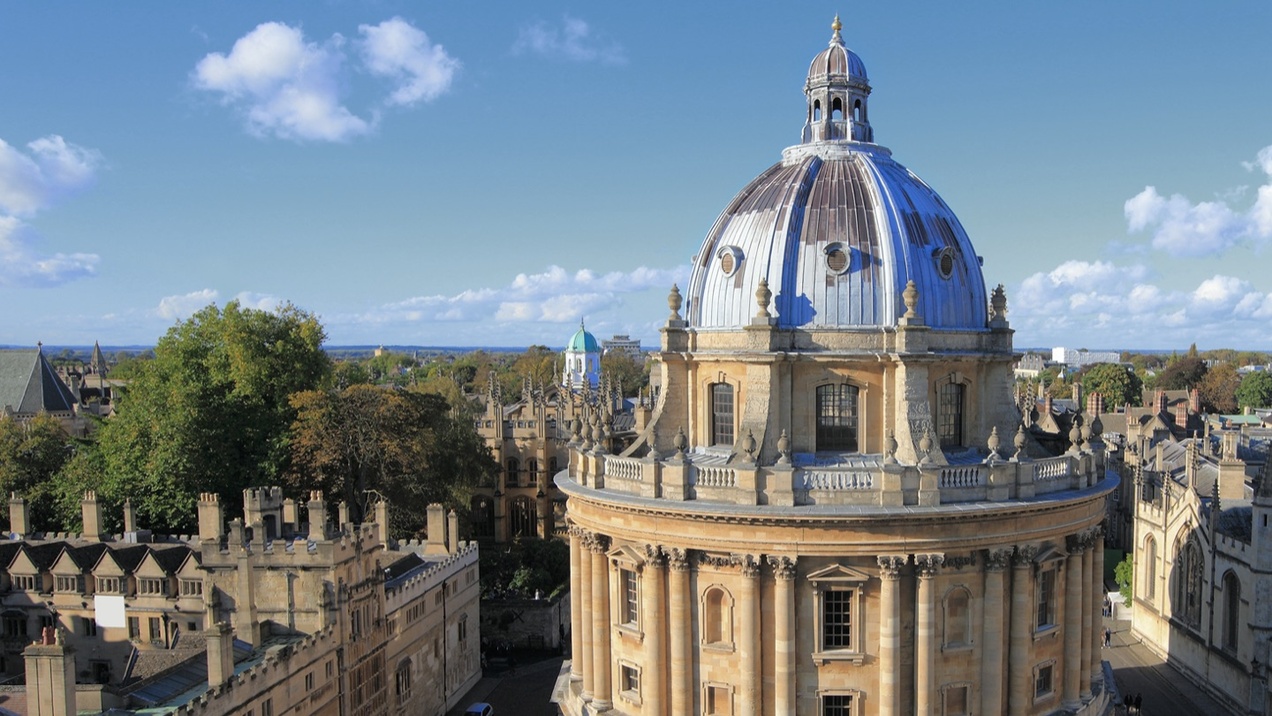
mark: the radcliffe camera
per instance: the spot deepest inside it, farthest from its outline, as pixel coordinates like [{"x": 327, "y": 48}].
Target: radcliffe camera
[{"x": 385, "y": 359}]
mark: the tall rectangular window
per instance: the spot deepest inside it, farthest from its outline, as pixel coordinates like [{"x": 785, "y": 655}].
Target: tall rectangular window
[
  {"x": 627, "y": 583},
  {"x": 837, "y": 418},
  {"x": 949, "y": 414},
  {"x": 1046, "y": 598},
  {"x": 837, "y": 619},
  {"x": 721, "y": 414}
]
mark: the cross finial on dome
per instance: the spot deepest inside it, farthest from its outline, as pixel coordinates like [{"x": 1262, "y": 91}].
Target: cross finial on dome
[{"x": 836, "y": 26}]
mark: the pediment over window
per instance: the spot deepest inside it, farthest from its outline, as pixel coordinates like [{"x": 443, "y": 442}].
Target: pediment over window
[
  {"x": 626, "y": 555},
  {"x": 837, "y": 574}
]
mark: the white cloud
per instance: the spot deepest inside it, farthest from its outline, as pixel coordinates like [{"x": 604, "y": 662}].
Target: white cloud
[
  {"x": 285, "y": 86},
  {"x": 574, "y": 40},
  {"x": 22, "y": 265},
  {"x": 51, "y": 169},
  {"x": 401, "y": 51},
  {"x": 1182, "y": 228},
  {"x": 258, "y": 301},
  {"x": 182, "y": 306}
]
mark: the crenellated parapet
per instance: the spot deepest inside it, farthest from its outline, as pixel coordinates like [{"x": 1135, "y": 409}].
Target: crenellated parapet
[{"x": 401, "y": 593}]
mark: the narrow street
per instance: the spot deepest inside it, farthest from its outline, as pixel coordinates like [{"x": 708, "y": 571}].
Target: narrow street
[{"x": 1138, "y": 670}]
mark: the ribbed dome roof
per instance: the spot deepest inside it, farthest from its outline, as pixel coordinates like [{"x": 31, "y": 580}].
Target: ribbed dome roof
[
  {"x": 583, "y": 342},
  {"x": 837, "y": 59},
  {"x": 837, "y": 228}
]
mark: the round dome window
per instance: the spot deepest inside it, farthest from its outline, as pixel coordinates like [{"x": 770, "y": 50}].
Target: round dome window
[
  {"x": 838, "y": 258},
  {"x": 944, "y": 261},
  {"x": 730, "y": 258}
]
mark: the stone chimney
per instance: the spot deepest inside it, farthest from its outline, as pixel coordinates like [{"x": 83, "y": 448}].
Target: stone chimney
[
  {"x": 1181, "y": 416},
  {"x": 211, "y": 518},
  {"x": 130, "y": 517},
  {"x": 92, "y": 512},
  {"x": 1159, "y": 401},
  {"x": 291, "y": 518},
  {"x": 452, "y": 532},
  {"x": 1194, "y": 401},
  {"x": 382, "y": 521},
  {"x": 436, "y": 542},
  {"x": 50, "y": 676},
  {"x": 342, "y": 510},
  {"x": 1046, "y": 405},
  {"x": 317, "y": 516},
  {"x": 19, "y": 516},
  {"x": 1095, "y": 404},
  {"x": 220, "y": 640},
  {"x": 1077, "y": 396}
]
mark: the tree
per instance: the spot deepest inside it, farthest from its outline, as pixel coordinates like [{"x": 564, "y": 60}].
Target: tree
[
  {"x": 31, "y": 454},
  {"x": 1255, "y": 390},
  {"x": 1218, "y": 389},
  {"x": 210, "y": 412},
  {"x": 1118, "y": 385},
  {"x": 405, "y": 446},
  {"x": 631, "y": 372},
  {"x": 538, "y": 364},
  {"x": 1124, "y": 574},
  {"x": 1182, "y": 373}
]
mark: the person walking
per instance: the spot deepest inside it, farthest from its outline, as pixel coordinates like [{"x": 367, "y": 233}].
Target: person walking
[
  {"x": 1139, "y": 702},
  {"x": 1108, "y": 638}
]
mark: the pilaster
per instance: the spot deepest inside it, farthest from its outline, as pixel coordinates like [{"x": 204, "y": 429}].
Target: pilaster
[
  {"x": 926, "y": 568},
  {"x": 890, "y": 634},
  {"x": 991, "y": 640},
  {"x": 784, "y": 665}
]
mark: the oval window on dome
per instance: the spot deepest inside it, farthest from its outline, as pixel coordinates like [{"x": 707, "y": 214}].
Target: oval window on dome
[
  {"x": 838, "y": 258},
  {"x": 730, "y": 259},
  {"x": 944, "y": 261}
]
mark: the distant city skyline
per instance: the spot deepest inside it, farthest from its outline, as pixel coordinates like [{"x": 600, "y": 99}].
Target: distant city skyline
[{"x": 493, "y": 174}]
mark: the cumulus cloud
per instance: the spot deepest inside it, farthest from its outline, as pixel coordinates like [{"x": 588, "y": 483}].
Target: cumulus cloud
[
  {"x": 402, "y": 52},
  {"x": 574, "y": 40},
  {"x": 258, "y": 301},
  {"x": 289, "y": 87},
  {"x": 180, "y": 307},
  {"x": 32, "y": 181},
  {"x": 554, "y": 296},
  {"x": 1077, "y": 297},
  {"x": 1182, "y": 228}
]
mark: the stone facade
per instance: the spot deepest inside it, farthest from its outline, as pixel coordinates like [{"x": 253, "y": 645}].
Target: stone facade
[{"x": 836, "y": 518}]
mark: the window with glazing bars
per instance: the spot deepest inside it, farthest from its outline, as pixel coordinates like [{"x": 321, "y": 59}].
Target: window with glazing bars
[
  {"x": 837, "y": 418},
  {"x": 721, "y": 414},
  {"x": 627, "y": 578},
  {"x": 837, "y": 619},
  {"x": 837, "y": 705},
  {"x": 949, "y": 415}
]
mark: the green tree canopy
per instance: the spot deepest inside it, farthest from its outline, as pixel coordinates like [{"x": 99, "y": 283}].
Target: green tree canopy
[
  {"x": 1118, "y": 385},
  {"x": 210, "y": 412},
  {"x": 363, "y": 440},
  {"x": 32, "y": 452},
  {"x": 631, "y": 372},
  {"x": 1218, "y": 389},
  {"x": 1182, "y": 373},
  {"x": 1255, "y": 390}
]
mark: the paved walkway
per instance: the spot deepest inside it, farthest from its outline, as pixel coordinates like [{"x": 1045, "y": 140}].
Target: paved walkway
[
  {"x": 1138, "y": 670},
  {"x": 524, "y": 692}
]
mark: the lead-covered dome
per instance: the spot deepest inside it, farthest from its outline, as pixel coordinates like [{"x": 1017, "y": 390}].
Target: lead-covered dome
[{"x": 837, "y": 228}]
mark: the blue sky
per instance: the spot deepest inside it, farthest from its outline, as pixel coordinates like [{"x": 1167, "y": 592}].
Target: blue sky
[{"x": 491, "y": 173}]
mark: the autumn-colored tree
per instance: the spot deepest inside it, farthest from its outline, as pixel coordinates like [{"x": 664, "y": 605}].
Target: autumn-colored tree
[
  {"x": 1218, "y": 389},
  {"x": 631, "y": 372},
  {"x": 364, "y": 442},
  {"x": 1182, "y": 373}
]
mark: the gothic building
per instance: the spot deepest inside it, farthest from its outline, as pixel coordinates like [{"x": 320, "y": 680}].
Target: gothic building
[{"x": 834, "y": 507}]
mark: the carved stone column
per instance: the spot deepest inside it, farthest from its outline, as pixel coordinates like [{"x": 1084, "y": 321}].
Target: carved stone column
[
  {"x": 890, "y": 634},
  {"x": 654, "y": 622},
  {"x": 601, "y": 697},
  {"x": 576, "y": 604},
  {"x": 680, "y": 630},
  {"x": 584, "y": 625},
  {"x": 926, "y": 566},
  {"x": 783, "y": 635},
  {"x": 992, "y": 632},
  {"x": 1020, "y": 699},
  {"x": 749, "y": 631},
  {"x": 1072, "y": 624},
  {"x": 1097, "y": 604},
  {"x": 1088, "y": 581}
]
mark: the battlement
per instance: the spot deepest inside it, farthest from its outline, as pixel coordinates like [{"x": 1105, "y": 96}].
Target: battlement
[{"x": 402, "y": 594}]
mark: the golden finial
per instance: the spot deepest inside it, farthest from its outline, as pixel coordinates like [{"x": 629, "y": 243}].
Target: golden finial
[{"x": 836, "y": 25}]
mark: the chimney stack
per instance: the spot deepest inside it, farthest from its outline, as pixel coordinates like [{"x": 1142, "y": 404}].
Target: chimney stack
[
  {"x": 436, "y": 526},
  {"x": 452, "y": 532},
  {"x": 50, "y": 675},
  {"x": 220, "y": 641},
  {"x": 382, "y": 521},
  {"x": 1194, "y": 401},
  {"x": 211, "y": 518},
  {"x": 317, "y": 516},
  {"x": 92, "y": 512},
  {"x": 19, "y": 516}
]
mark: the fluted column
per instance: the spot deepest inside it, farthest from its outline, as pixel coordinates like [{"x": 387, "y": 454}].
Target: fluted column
[
  {"x": 749, "y": 631},
  {"x": 576, "y": 604},
  {"x": 654, "y": 624},
  {"x": 926, "y": 566},
  {"x": 890, "y": 634},
  {"x": 681, "y": 629},
  {"x": 783, "y": 635},
  {"x": 1072, "y": 625},
  {"x": 992, "y": 633},
  {"x": 601, "y": 698},
  {"x": 1084, "y": 665},
  {"x": 584, "y": 625},
  {"x": 1097, "y": 604},
  {"x": 1019, "y": 699}
]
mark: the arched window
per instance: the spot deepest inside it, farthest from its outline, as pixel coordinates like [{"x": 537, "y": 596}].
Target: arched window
[
  {"x": 949, "y": 414},
  {"x": 717, "y": 616},
  {"x": 721, "y": 414},
  {"x": 837, "y": 109},
  {"x": 837, "y": 418},
  {"x": 816, "y": 110},
  {"x": 523, "y": 522},
  {"x": 1187, "y": 576},
  {"x": 958, "y": 617},
  {"x": 856, "y": 110},
  {"x": 1231, "y": 611},
  {"x": 532, "y": 470},
  {"x": 1150, "y": 569},
  {"x": 483, "y": 516}
]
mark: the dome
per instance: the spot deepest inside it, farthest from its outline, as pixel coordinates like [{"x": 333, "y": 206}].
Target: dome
[
  {"x": 583, "y": 342},
  {"x": 837, "y": 59},
  {"x": 837, "y": 228}
]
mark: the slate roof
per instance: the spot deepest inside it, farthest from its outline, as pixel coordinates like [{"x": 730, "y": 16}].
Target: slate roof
[
  {"x": 1236, "y": 522},
  {"x": 29, "y": 385}
]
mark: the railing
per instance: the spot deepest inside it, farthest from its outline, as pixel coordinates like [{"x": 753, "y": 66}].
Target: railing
[
  {"x": 837, "y": 480},
  {"x": 624, "y": 468},
  {"x": 962, "y": 476},
  {"x": 1052, "y": 469},
  {"x": 715, "y": 476}
]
